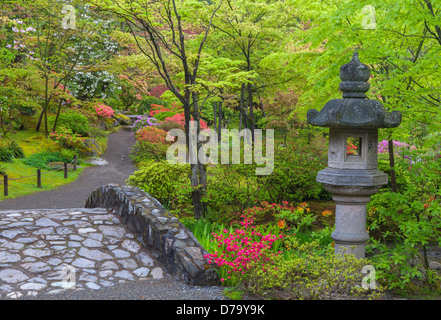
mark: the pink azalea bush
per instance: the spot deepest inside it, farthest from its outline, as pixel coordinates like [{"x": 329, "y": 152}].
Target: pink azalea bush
[
  {"x": 243, "y": 250},
  {"x": 383, "y": 146},
  {"x": 65, "y": 138},
  {"x": 179, "y": 118},
  {"x": 104, "y": 111}
]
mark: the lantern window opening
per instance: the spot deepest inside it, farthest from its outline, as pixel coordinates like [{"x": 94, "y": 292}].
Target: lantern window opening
[{"x": 353, "y": 146}]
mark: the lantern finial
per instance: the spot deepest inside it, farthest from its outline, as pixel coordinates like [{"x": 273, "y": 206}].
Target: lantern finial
[{"x": 354, "y": 76}]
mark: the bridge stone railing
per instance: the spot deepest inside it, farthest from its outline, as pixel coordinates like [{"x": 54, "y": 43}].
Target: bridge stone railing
[{"x": 170, "y": 242}]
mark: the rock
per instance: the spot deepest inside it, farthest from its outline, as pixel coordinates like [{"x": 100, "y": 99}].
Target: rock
[
  {"x": 12, "y": 276},
  {"x": 6, "y": 257},
  {"x": 131, "y": 246},
  {"x": 86, "y": 230},
  {"x": 36, "y": 267},
  {"x": 435, "y": 265},
  {"x": 90, "y": 243},
  {"x": 120, "y": 253},
  {"x": 46, "y": 222},
  {"x": 145, "y": 259},
  {"x": 37, "y": 253},
  {"x": 128, "y": 264},
  {"x": 95, "y": 255},
  {"x": 124, "y": 274},
  {"x": 142, "y": 272},
  {"x": 117, "y": 232},
  {"x": 109, "y": 265},
  {"x": 10, "y": 234},
  {"x": 90, "y": 148},
  {"x": 33, "y": 286},
  {"x": 123, "y": 120},
  {"x": 96, "y": 161},
  {"x": 83, "y": 263},
  {"x": 157, "y": 273},
  {"x": 92, "y": 286}
]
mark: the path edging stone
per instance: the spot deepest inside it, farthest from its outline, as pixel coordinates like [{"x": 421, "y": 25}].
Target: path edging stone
[{"x": 172, "y": 244}]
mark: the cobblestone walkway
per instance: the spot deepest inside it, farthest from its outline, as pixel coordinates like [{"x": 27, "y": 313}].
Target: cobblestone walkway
[{"x": 50, "y": 251}]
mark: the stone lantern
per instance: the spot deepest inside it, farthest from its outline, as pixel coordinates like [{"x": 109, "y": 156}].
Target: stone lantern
[{"x": 352, "y": 175}]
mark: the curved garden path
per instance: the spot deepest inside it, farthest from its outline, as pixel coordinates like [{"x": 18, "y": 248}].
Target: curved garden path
[{"x": 74, "y": 195}]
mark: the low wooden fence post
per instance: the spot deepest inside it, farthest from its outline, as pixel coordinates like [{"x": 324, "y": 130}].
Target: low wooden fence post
[
  {"x": 38, "y": 178},
  {"x": 75, "y": 163},
  {"x": 65, "y": 170},
  {"x": 5, "y": 185}
]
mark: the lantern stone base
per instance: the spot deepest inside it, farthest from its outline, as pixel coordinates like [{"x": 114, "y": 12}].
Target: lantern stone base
[{"x": 350, "y": 234}]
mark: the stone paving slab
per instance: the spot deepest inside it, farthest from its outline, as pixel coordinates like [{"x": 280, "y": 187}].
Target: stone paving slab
[{"x": 50, "y": 251}]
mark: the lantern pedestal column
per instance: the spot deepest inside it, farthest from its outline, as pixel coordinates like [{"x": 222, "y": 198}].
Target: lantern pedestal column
[{"x": 350, "y": 233}]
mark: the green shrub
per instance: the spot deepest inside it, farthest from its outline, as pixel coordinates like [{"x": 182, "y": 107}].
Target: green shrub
[
  {"x": 162, "y": 115},
  {"x": 164, "y": 181},
  {"x": 169, "y": 125},
  {"x": 16, "y": 150},
  {"x": 27, "y": 110},
  {"x": 10, "y": 150},
  {"x": 311, "y": 276},
  {"x": 142, "y": 151},
  {"x": 402, "y": 224},
  {"x": 40, "y": 160},
  {"x": 74, "y": 121},
  {"x": 67, "y": 154},
  {"x": 143, "y": 107},
  {"x": 295, "y": 170},
  {"x": 231, "y": 187},
  {"x": 6, "y": 154}
]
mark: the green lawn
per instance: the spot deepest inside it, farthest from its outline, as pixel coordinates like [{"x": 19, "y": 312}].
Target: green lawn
[
  {"x": 33, "y": 142},
  {"x": 21, "y": 187}
]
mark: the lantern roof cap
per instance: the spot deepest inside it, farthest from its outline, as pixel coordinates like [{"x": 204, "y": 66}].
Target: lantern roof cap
[{"x": 355, "y": 109}]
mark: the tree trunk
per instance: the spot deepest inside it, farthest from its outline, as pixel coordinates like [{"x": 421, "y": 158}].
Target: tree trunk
[
  {"x": 215, "y": 115},
  {"x": 242, "y": 105},
  {"x": 198, "y": 176},
  {"x": 40, "y": 119},
  {"x": 220, "y": 122},
  {"x": 59, "y": 110},
  {"x": 250, "y": 104},
  {"x": 393, "y": 179}
]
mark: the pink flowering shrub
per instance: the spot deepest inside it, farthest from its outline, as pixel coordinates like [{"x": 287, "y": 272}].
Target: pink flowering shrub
[
  {"x": 150, "y": 143},
  {"x": 104, "y": 111},
  {"x": 65, "y": 138},
  {"x": 180, "y": 119},
  {"x": 243, "y": 250},
  {"x": 383, "y": 146}
]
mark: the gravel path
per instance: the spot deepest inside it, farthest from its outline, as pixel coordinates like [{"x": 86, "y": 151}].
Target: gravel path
[
  {"x": 24, "y": 268},
  {"x": 74, "y": 195}
]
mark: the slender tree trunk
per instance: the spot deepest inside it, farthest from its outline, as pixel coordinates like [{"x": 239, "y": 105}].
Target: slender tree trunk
[
  {"x": 220, "y": 122},
  {"x": 242, "y": 105},
  {"x": 393, "y": 179},
  {"x": 215, "y": 115},
  {"x": 250, "y": 104},
  {"x": 59, "y": 110},
  {"x": 40, "y": 119},
  {"x": 198, "y": 172}
]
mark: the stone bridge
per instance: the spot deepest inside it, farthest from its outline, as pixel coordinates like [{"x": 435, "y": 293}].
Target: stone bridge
[{"x": 122, "y": 235}]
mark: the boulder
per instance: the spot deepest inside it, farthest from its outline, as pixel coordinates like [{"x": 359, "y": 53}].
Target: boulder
[
  {"x": 123, "y": 120},
  {"x": 91, "y": 148},
  {"x": 96, "y": 161}
]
